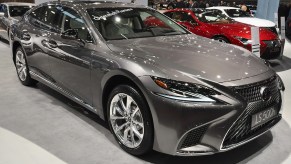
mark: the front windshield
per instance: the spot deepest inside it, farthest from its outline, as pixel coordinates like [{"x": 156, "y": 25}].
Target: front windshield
[
  {"x": 237, "y": 13},
  {"x": 213, "y": 17},
  {"x": 18, "y": 11},
  {"x": 128, "y": 23}
]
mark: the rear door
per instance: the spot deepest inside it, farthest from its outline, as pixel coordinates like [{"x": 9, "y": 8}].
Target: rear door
[{"x": 40, "y": 25}]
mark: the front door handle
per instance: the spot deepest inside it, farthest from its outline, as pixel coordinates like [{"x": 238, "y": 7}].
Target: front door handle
[
  {"x": 25, "y": 35},
  {"x": 50, "y": 43}
]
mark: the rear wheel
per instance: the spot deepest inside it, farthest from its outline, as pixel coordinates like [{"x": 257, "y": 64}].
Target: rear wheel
[
  {"x": 22, "y": 68},
  {"x": 130, "y": 120}
]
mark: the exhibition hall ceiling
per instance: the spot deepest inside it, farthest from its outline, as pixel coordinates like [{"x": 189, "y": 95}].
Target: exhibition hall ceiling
[{"x": 30, "y": 1}]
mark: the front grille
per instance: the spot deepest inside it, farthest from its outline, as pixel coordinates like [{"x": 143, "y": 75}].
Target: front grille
[
  {"x": 252, "y": 93},
  {"x": 241, "y": 130},
  {"x": 273, "y": 49},
  {"x": 193, "y": 137}
]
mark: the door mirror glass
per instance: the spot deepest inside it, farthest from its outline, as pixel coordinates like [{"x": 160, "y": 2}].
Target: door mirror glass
[{"x": 70, "y": 34}]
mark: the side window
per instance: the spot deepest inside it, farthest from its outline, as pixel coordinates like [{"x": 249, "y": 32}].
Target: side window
[
  {"x": 177, "y": 16},
  {"x": 46, "y": 17},
  {"x": 73, "y": 25},
  {"x": 169, "y": 14},
  {"x": 5, "y": 9},
  {"x": 1, "y": 8}
]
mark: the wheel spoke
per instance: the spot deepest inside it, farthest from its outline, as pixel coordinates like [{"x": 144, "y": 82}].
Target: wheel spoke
[
  {"x": 136, "y": 132},
  {"x": 24, "y": 72},
  {"x": 117, "y": 118},
  {"x": 138, "y": 123},
  {"x": 125, "y": 134},
  {"x": 122, "y": 103},
  {"x": 132, "y": 136},
  {"x": 128, "y": 102},
  {"x": 121, "y": 127},
  {"x": 134, "y": 112}
]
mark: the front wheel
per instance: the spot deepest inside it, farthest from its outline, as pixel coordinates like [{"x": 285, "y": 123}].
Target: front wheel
[{"x": 130, "y": 120}]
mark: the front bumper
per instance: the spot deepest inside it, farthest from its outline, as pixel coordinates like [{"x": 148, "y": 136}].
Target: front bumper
[{"x": 189, "y": 129}]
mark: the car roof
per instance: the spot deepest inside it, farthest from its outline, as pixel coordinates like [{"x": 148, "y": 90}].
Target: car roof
[
  {"x": 98, "y": 4},
  {"x": 222, "y": 7},
  {"x": 18, "y": 4}
]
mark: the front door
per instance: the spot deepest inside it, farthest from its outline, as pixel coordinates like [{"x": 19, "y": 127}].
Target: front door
[{"x": 71, "y": 57}]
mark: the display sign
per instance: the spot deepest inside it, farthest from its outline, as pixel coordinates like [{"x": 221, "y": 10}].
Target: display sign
[
  {"x": 283, "y": 28},
  {"x": 276, "y": 21},
  {"x": 255, "y": 31}
]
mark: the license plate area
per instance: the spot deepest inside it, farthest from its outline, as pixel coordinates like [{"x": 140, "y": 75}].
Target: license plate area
[
  {"x": 263, "y": 117},
  {"x": 275, "y": 49}
]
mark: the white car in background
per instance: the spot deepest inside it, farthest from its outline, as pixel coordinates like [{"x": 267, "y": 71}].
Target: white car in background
[{"x": 244, "y": 17}]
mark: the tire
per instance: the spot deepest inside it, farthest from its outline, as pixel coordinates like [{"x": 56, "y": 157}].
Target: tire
[
  {"x": 221, "y": 39},
  {"x": 133, "y": 121},
  {"x": 22, "y": 68}
]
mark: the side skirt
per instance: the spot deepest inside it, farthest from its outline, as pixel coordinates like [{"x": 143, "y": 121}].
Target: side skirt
[{"x": 62, "y": 91}]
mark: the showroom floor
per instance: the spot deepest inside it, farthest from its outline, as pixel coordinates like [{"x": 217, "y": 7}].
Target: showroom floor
[{"x": 38, "y": 125}]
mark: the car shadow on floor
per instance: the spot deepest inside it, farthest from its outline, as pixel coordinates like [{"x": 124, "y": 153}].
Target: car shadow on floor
[
  {"x": 281, "y": 65},
  {"x": 4, "y": 41},
  {"x": 241, "y": 154}
]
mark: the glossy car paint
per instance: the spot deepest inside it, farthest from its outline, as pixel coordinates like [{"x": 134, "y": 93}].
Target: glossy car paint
[
  {"x": 83, "y": 74},
  {"x": 230, "y": 31},
  {"x": 247, "y": 20},
  {"x": 7, "y": 21}
]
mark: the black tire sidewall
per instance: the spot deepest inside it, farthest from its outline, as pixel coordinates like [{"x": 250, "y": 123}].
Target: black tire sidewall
[{"x": 147, "y": 142}]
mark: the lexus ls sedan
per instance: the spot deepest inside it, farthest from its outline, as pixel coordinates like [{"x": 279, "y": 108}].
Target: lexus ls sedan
[{"x": 158, "y": 87}]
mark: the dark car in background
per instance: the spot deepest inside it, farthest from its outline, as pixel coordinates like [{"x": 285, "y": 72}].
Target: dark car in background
[
  {"x": 217, "y": 26},
  {"x": 10, "y": 13},
  {"x": 158, "y": 87}
]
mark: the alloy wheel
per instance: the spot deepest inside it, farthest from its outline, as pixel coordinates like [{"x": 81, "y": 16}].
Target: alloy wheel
[
  {"x": 21, "y": 66},
  {"x": 126, "y": 120}
]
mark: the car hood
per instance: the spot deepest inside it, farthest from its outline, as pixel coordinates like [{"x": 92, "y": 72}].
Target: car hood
[
  {"x": 192, "y": 56},
  {"x": 256, "y": 22}
]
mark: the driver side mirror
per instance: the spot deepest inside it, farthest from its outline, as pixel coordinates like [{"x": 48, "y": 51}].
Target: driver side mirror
[{"x": 71, "y": 34}]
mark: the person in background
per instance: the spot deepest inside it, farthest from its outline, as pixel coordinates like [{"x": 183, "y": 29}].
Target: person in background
[
  {"x": 190, "y": 4},
  {"x": 180, "y": 4},
  {"x": 202, "y": 4},
  {"x": 244, "y": 7}
]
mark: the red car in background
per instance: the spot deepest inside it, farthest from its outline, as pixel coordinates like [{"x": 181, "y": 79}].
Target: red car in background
[{"x": 216, "y": 26}]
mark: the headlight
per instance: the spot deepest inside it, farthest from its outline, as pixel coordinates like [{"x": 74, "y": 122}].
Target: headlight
[
  {"x": 186, "y": 91},
  {"x": 281, "y": 85},
  {"x": 244, "y": 41}
]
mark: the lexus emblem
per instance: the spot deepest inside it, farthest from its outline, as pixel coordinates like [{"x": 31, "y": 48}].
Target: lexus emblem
[{"x": 265, "y": 93}]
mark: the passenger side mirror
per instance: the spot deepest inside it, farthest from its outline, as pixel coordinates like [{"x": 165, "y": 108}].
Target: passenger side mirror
[{"x": 1, "y": 14}]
